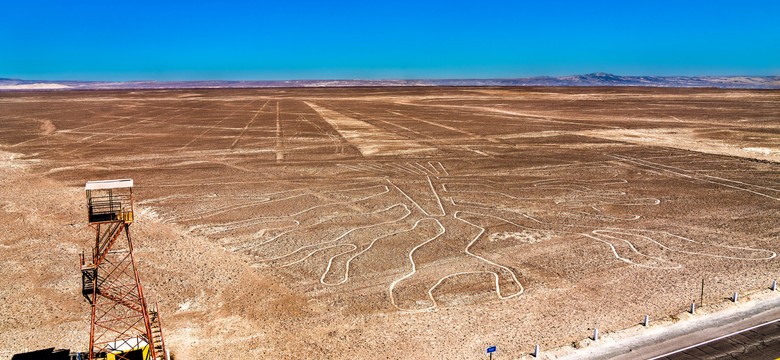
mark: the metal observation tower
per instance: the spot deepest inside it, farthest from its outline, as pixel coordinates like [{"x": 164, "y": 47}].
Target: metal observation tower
[{"x": 123, "y": 326}]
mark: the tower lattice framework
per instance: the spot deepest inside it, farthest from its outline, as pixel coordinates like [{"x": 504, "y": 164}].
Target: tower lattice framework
[{"x": 122, "y": 325}]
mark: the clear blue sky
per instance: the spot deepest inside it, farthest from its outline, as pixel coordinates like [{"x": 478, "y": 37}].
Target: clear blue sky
[{"x": 254, "y": 40}]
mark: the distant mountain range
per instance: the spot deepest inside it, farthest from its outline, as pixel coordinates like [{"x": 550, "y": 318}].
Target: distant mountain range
[{"x": 595, "y": 79}]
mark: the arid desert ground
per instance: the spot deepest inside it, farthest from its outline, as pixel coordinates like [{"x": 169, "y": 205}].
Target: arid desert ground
[{"x": 394, "y": 223}]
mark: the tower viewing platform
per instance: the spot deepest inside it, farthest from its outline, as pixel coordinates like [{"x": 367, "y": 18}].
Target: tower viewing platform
[{"x": 110, "y": 200}]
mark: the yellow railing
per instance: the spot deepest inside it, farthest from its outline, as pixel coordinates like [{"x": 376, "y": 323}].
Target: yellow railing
[{"x": 127, "y": 216}]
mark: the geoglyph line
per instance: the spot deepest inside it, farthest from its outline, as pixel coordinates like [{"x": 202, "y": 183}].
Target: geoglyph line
[
  {"x": 367, "y": 138},
  {"x": 345, "y": 278},
  {"x": 66, "y": 131},
  {"x": 442, "y": 230},
  {"x": 438, "y": 200},
  {"x": 605, "y": 232},
  {"x": 434, "y": 168},
  {"x": 451, "y": 128},
  {"x": 136, "y": 125},
  {"x": 213, "y": 212},
  {"x": 407, "y": 213},
  {"x": 625, "y": 244},
  {"x": 629, "y": 261},
  {"x": 248, "y": 124},
  {"x": 411, "y": 168},
  {"x": 442, "y": 279},
  {"x": 279, "y": 143},
  {"x": 694, "y": 176},
  {"x": 410, "y": 199},
  {"x": 322, "y": 221},
  {"x": 481, "y": 232}
]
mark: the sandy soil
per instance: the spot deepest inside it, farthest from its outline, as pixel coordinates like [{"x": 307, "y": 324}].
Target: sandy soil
[{"x": 391, "y": 222}]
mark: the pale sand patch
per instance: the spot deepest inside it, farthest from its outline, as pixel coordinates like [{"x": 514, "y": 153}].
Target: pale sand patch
[
  {"x": 762, "y": 150},
  {"x": 367, "y": 138},
  {"x": 525, "y": 236},
  {"x": 685, "y": 139},
  {"x": 13, "y": 161},
  {"x": 39, "y": 86},
  {"x": 47, "y": 127}
]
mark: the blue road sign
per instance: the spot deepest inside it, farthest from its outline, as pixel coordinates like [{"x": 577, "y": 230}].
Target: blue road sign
[{"x": 491, "y": 349}]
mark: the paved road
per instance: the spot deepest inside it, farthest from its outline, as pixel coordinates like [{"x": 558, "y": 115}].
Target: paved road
[
  {"x": 761, "y": 317},
  {"x": 761, "y": 342}
]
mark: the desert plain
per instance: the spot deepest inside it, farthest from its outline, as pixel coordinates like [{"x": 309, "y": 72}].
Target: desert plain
[{"x": 391, "y": 223}]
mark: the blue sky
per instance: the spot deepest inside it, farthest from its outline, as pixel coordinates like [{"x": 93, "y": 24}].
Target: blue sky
[{"x": 254, "y": 40}]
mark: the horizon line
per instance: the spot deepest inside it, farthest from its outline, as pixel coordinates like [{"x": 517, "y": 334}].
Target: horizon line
[{"x": 600, "y": 73}]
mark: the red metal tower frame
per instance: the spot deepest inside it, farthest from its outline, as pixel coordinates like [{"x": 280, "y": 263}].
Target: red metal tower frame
[{"x": 122, "y": 324}]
